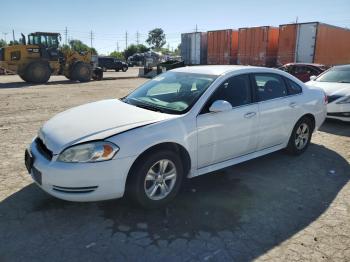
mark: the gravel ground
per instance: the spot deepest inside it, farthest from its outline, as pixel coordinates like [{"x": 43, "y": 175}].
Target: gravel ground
[{"x": 274, "y": 208}]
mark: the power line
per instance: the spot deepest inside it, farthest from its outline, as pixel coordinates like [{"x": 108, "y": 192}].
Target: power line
[
  {"x": 5, "y": 34},
  {"x": 137, "y": 37},
  {"x": 91, "y": 38},
  {"x": 66, "y": 35},
  {"x": 126, "y": 40}
]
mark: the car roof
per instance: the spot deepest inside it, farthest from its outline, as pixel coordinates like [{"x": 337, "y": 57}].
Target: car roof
[
  {"x": 220, "y": 69},
  {"x": 306, "y": 64}
]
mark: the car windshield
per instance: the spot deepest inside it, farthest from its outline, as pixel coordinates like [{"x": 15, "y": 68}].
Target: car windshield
[
  {"x": 335, "y": 75},
  {"x": 171, "y": 92}
]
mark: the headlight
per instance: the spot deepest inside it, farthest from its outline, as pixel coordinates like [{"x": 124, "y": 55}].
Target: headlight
[
  {"x": 89, "y": 152},
  {"x": 346, "y": 100}
]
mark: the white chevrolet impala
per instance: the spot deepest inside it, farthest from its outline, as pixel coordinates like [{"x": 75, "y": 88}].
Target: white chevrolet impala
[{"x": 181, "y": 124}]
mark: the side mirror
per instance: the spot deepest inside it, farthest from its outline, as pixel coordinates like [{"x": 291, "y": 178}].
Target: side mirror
[
  {"x": 313, "y": 78},
  {"x": 220, "y": 106}
]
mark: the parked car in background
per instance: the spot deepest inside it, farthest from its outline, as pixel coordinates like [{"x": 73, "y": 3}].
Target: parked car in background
[
  {"x": 303, "y": 71},
  {"x": 184, "y": 123},
  {"x": 336, "y": 83},
  {"x": 111, "y": 63}
]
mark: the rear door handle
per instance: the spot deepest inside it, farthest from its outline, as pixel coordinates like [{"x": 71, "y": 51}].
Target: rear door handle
[
  {"x": 293, "y": 104},
  {"x": 250, "y": 115}
]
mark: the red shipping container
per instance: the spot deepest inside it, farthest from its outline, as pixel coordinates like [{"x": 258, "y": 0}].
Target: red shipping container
[
  {"x": 222, "y": 47},
  {"x": 258, "y": 46}
]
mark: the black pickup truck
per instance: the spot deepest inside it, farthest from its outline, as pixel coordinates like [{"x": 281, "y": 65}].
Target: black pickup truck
[{"x": 107, "y": 63}]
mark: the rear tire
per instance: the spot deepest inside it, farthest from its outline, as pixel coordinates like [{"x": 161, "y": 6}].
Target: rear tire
[
  {"x": 97, "y": 75},
  {"x": 81, "y": 72},
  {"x": 37, "y": 72},
  {"x": 124, "y": 69},
  {"x": 300, "y": 137},
  {"x": 22, "y": 76},
  {"x": 147, "y": 176}
]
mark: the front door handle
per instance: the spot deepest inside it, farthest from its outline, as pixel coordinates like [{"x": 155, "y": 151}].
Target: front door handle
[
  {"x": 250, "y": 115},
  {"x": 293, "y": 104}
]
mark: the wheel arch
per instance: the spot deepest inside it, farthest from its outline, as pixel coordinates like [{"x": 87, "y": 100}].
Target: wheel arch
[
  {"x": 172, "y": 146},
  {"x": 311, "y": 117}
]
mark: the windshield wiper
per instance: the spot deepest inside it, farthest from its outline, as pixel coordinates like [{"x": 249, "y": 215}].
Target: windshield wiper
[
  {"x": 149, "y": 107},
  {"x": 343, "y": 81}
]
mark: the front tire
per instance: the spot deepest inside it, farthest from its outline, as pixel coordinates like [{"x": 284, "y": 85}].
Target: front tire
[
  {"x": 300, "y": 137},
  {"x": 124, "y": 69},
  {"x": 156, "y": 179},
  {"x": 37, "y": 72},
  {"x": 81, "y": 72}
]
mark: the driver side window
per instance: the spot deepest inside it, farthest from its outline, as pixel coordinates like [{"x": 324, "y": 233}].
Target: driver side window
[{"x": 235, "y": 90}]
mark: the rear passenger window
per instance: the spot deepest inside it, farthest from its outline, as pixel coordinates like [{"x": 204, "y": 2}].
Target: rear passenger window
[
  {"x": 269, "y": 86},
  {"x": 293, "y": 88}
]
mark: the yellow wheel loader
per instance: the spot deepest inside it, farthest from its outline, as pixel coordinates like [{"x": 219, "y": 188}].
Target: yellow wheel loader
[{"x": 39, "y": 58}]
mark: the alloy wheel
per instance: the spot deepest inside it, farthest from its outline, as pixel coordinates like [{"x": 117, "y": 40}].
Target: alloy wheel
[
  {"x": 160, "y": 179},
  {"x": 302, "y": 136}
]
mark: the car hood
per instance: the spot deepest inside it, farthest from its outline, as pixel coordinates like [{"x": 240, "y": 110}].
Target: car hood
[
  {"x": 95, "y": 121},
  {"x": 342, "y": 89}
]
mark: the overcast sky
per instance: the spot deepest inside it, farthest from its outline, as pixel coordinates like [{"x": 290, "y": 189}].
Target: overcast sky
[{"x": 110, "y": 20}]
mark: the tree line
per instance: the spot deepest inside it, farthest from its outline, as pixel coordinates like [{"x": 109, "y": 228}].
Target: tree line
[{"x": 156, "y": 40}]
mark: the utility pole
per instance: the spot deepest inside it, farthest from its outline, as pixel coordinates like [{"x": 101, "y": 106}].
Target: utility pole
[
  {"x": 137, "y": 38},
  {"x": 91, "y": 38},
  {"x": 195, "y": 44},
  {"x": 296, "y": 20},
  {"x": 13, "y": 36},
  {"x": 117, "y": 47},
  {"x": 126, "y": 40},
  {"x": 66, "y": 35},
  {"x": 5, "y": 34}
]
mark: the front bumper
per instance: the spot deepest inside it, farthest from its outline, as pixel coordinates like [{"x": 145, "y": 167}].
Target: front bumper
[
  {"x": 338, "y": 111},
  {"x": 80, "y": 181}
]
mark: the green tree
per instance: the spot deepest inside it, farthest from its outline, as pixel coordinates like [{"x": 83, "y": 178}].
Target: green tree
[
  {"x": 79, "y": 46},
  {"x": 133, "y": 49},
  {"x": 2, "y": 43},
  {"x": 156, "y": 38},
  {"x": 118, "y": 55},
  {"x": 177, "y": 51},
  {"x": 142, "y": 48},
  {"x": 14, "y": 42}
]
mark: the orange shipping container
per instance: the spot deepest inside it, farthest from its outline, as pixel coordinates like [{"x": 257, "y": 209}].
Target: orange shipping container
[
  {"x": 313, "y": 43},
  {"x": 332, "y": 45},
  {"x": 222, "y": 47},
  {"x": 258, "y": 46}
]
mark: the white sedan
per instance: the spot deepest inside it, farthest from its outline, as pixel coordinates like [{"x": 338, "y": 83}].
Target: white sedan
[
  {"x": 336, "y": 83},
  {"x": 181, "y": 124}
]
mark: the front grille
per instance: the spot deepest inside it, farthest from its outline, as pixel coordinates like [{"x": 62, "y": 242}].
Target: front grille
[
  {"x": 342, "y": 114},
  {"x": 333, "y": 98},
  {"x": 47, "y": 153},
  {"x": 74, "y": 190}
]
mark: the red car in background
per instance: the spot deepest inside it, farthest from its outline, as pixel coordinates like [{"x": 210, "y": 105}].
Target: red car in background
[{"x": 303, "y": 71}]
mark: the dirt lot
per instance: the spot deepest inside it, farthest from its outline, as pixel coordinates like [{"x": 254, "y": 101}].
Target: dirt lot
[{"x": 275, "y": 208}]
